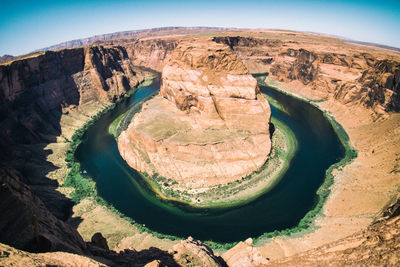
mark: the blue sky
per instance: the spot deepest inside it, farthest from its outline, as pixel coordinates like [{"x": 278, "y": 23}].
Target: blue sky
[{"x": 29, "y": 25}]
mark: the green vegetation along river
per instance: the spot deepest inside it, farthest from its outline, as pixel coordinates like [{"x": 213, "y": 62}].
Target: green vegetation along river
[{"x": 318, "y": 147}]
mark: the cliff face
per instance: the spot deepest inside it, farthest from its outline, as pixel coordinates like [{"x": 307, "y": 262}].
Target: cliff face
[
  {"x": 351, "y": 76},
  {"x": 151, "y": 53},
  {"x": 209, "y": 122},
  {"x": 34, "y": 91},
  {"x": 27, "y": 224},
  {"x": 378, "y": 85},
  {"x": 37, "y": 90},
  {"x": 35, "y": 94},
  {"x": 324, "y": 73}
]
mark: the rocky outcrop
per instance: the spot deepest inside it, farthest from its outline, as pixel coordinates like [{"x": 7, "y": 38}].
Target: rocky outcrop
[
  {"x": 188, "y": 252},
  {"x": 244, "y": 254},
  {"x": 10, "y": 256},
  {"x": 27, "y": 224},
  {"x": 151, "y": 53},
  {"x": 375, "y": 246},
  {"x": 36, "y": 92},
  {"x": 379, "y": 85},
  {"x": 209, "y": 123},
  {"x": 353, "y": 77},
  {"x": 192, "y": 252}
]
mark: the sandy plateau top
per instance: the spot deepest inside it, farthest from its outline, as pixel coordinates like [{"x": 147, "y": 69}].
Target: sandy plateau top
[{"x": 208, "y": 122}]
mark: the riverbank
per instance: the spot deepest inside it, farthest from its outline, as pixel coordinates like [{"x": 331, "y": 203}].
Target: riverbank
[
  {"x": 88, "y": 216},
  {"x": 218, "y": 245},
  {"x": 359, "y": 190},
  {"x": 271, "y": 246},
  {"x": 235, "y": 193}
]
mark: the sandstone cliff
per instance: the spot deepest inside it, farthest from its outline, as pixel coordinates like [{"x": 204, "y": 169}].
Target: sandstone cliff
[
  {"x": 210, "y": 121},
  {"x": 34, "y": 91},
  {"x": 351, "y": 74},
  {"x": 153, "y": 53},
  {"x": 329, "y": 66},
  {"x": 191, "y": 252},
  {"x": 321, "y": 72},
  {"x": 188, "y": 252},
  {"x": 27, "y": 224},
  {"x": 37, "y": 93}
]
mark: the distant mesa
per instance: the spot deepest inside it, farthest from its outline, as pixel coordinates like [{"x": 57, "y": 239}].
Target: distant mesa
[{"x": 209, "y": 122}]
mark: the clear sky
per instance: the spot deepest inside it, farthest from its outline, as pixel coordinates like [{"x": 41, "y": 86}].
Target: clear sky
[{"x": 29, "y": 25}]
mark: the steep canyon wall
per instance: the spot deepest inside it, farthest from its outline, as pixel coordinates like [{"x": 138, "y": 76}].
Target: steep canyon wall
[{"x": 35, "y": 93}]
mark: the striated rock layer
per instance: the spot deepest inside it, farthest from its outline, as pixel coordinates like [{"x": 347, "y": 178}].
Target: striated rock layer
[
  {"x": 44, "y": 98},
  {"x": 34, "y": 91},
  {"x": 209, "y": 123}
]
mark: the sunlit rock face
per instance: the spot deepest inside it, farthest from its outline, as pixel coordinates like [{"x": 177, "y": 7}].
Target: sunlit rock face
[{"x": 209, "y": 123}]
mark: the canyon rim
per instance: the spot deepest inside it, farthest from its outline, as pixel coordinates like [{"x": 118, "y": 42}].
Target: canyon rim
[{"x": 49, "y": 95}]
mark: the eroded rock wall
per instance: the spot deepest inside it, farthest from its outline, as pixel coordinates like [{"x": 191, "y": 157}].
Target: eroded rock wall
[
  {"x": 211, "y": 80},
  {"x": 351, "y": 75},
  {"x": 209, "y": 124},
  {"x": 34, "y": 91},
  {"x": 27, "y": 224},
  {"x": 152, "y": 53},
  {"x": 35, "y": 94}
]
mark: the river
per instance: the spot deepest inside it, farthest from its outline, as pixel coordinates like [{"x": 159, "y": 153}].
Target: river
[{"x": 281, "y": 208}]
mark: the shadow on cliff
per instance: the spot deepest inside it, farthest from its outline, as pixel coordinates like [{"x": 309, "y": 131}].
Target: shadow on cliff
[
  {"x": 30, "y": 120},
  {"x": 29, "y": 124},
  {"x": 34, "y": 93},
  {"x": 132, "y": 258},
  {"x": 187, "y": 253}
]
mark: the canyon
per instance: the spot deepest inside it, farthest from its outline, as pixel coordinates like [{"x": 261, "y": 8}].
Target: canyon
[{"x": 45, "y": 97}]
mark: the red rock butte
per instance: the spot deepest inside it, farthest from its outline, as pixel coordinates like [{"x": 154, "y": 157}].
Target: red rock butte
[{"x": 208, "y": 124}]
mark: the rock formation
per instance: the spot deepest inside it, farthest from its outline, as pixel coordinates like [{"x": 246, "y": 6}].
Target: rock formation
[
  {"x": 31, "y": 89},
  {"x": 192, "y": 252},
  {"x": 244, "y": 254},
  {"x": 375, "y": 246},
  {"x": 209, "y": 121},
  {"x": 27, "y": 224},
  {"x": 351, "y": 75},
  {"x": 188, "y": 252},
  {"x": 36, "y": 92}
]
